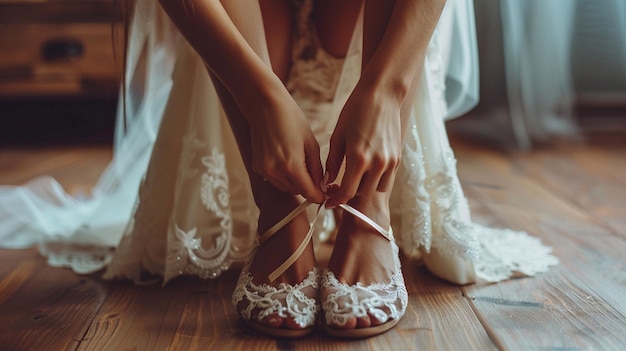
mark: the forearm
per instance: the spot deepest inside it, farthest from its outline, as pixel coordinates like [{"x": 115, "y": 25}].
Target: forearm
[
  {"x": 208, "y": 28},
  {"x": 399, "y": 56}
]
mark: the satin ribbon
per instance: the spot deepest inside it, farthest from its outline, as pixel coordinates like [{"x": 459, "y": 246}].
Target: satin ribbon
[{"x": 296, "y": 254}]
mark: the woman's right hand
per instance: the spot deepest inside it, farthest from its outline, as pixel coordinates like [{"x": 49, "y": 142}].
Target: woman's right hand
[{"x": 284, "y": 149}]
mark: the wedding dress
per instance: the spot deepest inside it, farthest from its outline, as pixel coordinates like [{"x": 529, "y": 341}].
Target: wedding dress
[{"x": 175, "y": 199}]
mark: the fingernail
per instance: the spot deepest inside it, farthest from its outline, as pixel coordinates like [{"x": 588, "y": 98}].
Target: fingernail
[{"x": 274, "y": 321}]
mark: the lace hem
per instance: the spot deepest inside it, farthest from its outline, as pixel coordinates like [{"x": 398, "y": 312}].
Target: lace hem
[
  {"x": 506, "y": 253},
  {"x": 384, "y": 301},
  {"x": 81, "y": 259},
  {"x": 262, "y": 300}
]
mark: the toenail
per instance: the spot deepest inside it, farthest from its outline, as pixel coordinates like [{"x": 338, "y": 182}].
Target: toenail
[{"x": 274, "y": 320}]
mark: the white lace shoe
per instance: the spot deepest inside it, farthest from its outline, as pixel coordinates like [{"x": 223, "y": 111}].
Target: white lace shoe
[
  {"x": 300, "y": 302},
  {"x": 386, "y": 302}
]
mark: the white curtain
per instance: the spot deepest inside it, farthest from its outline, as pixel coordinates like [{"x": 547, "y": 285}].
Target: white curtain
[
  {"x": 538, "y": 58},
  {"x": 599, "y": 51}
]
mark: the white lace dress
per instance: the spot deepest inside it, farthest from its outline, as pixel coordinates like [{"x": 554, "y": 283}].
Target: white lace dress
[{"x": 194, "y": 213}]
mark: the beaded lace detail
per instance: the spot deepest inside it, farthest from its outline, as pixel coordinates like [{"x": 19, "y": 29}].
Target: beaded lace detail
[
  {"x": 384, "y": 301},
  {"x": 257, "y": 301}
]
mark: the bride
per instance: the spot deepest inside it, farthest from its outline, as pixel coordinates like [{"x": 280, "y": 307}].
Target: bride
[{"x": 242, "y": 129}]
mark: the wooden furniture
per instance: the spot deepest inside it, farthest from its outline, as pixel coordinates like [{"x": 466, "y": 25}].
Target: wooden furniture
[{"x": 58, "y": 48}]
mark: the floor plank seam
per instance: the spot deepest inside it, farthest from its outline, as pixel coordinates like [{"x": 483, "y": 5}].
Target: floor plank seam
[
  {"x": 495, "y": 340},
  {"x": 93, "y": 319}
]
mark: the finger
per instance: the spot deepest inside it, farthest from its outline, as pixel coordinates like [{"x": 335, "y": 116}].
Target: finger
[
  {"x": 386, "y": 181},
  {"x": 349, "y": 184},
  {"x": 314, "y": 166},
  {"x": 307, "y": 187},
  {"x": 294, "y": 178},
  {"x": 370, "y": 182},
  {"x": 335, "y": 159}
]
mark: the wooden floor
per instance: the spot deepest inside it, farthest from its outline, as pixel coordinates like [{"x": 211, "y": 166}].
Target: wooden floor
[{"x": 572, "y": 196}]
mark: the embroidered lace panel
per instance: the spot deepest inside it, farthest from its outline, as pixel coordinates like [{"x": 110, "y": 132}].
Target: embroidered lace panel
[
  {"x": 384, "y": 301},
  {"x": 187, "y": 252},
  {"x": 257, "y": 301}
]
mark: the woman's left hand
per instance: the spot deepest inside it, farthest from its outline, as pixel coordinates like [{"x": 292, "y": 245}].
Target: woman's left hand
[{"x": 368, "y": 134}]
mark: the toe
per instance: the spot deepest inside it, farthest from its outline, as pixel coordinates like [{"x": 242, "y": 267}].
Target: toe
[
  {"x": 274, "y": 321},
  {"x": 291, "y": 324},
  {"x": 373, "y": 320},
  {"x": 350, "y": 324},
  {"x": 363, "y": 322}
]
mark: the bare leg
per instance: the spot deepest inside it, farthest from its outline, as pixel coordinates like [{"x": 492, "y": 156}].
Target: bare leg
[
  {"x": 335, "y": 22},
  {"x": 361, "y": 254},
  {"x": 273, "y": 203}
]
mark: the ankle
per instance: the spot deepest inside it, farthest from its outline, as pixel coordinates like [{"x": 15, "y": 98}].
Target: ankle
[
  {"x": 272, "y": 212},
  {"x": 276, "y": 250},
  {"x": 376, "y": 207}
]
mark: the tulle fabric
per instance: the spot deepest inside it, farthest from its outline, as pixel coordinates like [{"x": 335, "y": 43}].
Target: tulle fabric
[
  {"x": 531, "y": 53},
  {"x": 540, "y": 90},
  {"x": 175, "y": 200}
]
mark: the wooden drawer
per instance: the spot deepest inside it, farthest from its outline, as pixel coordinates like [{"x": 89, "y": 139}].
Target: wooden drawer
[{"x": 49, "y": 56}]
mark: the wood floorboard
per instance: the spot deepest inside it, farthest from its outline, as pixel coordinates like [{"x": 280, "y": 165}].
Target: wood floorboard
[
  {"x": 442, "y": 311},
  {"x": 583, "y": 176},
  {"x": 605, "y": 150},
  {"x": 15, "y": 269},
  {"x": 565, "y": 227},
  {"x": 581, "y": 300},
  {"x": 438, "y": 318},
  {"x": 46, "y": 308},
  {"x": 137, "y": 317},
  {"x": 9, "y": 260},
  {"x": 571, "y": 197},
  {"x": 76, "y": 168},
  {"x": 535, "y": 314}
]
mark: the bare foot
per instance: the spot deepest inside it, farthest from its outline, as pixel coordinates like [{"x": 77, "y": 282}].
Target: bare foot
[
  {"x": 276, "y": 250},
  {"x": 361, "y": 254}
]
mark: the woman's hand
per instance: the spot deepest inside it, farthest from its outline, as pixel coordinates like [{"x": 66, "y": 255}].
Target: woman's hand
[
  {"x": 368, "y": 134},
  {"x": 284, "y": 149},
  {"x": 369, "y": 131}
]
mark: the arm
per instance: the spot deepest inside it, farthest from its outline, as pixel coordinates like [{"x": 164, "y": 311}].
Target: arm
[
  {"x": 370, "y": 130},
  {"x": 399, "y": 56},
  {"x": 208, "y": 28},
  {"x": 230, "y": 38}
]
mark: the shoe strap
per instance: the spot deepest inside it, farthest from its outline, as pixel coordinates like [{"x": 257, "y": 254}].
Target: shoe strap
[
  {"x": 278, "y": 226},
  {"x": 387, "y": 234},
  {"x": 283, "y": 222}
]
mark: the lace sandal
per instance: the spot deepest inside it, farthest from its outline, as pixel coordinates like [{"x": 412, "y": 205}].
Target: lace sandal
[
  {"x": 386, "y": 302},
  {"x": 255, "y": 302}
]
